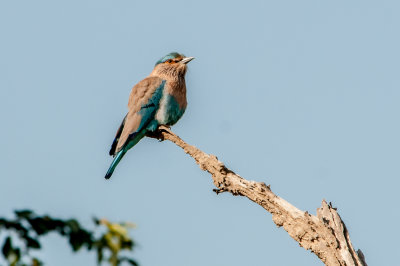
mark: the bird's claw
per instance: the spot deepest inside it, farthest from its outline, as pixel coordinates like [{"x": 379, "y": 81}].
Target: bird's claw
[
  {"x": 160, "y": 137},
  {"x": 219, "y": 190},
  {"x": 157, "y": 134}
]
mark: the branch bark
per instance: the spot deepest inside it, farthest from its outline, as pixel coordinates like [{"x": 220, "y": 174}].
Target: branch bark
[{"x": 324, "y": 234}]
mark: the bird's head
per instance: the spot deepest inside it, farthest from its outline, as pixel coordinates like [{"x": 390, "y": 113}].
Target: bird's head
[{"x": 173, "y": 65}]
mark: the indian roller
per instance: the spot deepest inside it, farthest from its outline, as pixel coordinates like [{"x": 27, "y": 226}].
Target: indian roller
[{"x": 159, "y": 99}]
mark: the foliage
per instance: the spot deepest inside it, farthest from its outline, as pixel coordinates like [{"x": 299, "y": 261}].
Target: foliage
[{"x": 23, "y": 234}]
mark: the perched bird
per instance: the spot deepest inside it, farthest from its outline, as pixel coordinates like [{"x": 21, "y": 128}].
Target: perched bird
[{"x": 159, "y": 99}]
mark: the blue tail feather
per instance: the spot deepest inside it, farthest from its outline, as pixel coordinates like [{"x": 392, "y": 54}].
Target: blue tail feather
[
  {"x": 132, "y": 141},
  {"x": 114, "y": 163}
]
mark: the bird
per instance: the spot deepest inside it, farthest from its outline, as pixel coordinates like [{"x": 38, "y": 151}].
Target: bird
[{"x": 159, "y": 99}]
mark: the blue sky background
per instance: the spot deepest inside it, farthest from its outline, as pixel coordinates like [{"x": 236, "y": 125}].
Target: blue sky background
[{"x": 302, "y": 95}]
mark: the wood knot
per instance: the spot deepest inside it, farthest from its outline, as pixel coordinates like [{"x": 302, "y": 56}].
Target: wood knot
[{"x": 278, "y": 220}]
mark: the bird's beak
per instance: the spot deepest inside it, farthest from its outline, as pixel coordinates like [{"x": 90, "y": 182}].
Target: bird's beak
[{"x": 186, "y": 60}]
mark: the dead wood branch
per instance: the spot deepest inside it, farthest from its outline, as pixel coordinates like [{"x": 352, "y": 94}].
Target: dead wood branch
[{"x": 325, "y": 234}]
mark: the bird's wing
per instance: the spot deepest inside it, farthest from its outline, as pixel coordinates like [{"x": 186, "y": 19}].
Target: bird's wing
[
  {"x": 116, "y": 139},
  {"x": 143, "y": 104}
]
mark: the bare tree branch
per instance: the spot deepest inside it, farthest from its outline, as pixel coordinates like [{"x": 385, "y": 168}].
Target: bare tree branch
[{"x": 325, "y": 234}]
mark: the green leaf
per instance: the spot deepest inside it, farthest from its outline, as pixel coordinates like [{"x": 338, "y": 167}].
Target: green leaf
[
  {"x": 129, "y": 260},
  {"x": 36, "y": 262},
  {"x": 23, "y": 213},
  {"x": 32, "y": 243},
  {"x": 79, "y": 238},
  {"x": 96, "y": 221},
  {"x": 39, "y": 225},
  {"x": 60, "y": 226},
  {"x": 99, "y": 254},
  {"x": 73, "y": 225},
  {"x": 11, "y": 254},
  {"x": 7, "y": 247},
  {"x": 13, "y": 225},
  {"x": 126, "y": 244},
  {"x": 108, "y": 245},
  {"x": 3, "y": 222}
]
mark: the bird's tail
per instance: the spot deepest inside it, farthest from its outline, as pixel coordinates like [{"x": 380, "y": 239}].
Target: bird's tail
[
  {"x": 115, "y": 162},
  {"x": 133, "y": 139}
]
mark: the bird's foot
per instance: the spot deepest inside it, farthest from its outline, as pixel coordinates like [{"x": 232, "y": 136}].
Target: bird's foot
[
  {"x": 160, "y": 136},
  {"x": 219, "y": 190},
  {"x": 156, "y": 134}
]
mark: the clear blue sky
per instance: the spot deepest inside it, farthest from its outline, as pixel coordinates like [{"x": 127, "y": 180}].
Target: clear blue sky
[{"x": 303, "y": 95}]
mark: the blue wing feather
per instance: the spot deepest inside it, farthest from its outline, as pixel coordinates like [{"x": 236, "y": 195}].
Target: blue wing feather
[
  {"x": 147, "y": 112},
  {"x": 117, "y": 135},
  {"x": 147, "y": 123}
]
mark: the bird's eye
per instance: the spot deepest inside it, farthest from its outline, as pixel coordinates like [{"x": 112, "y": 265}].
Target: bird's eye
[{"x": 169, "y": 61}]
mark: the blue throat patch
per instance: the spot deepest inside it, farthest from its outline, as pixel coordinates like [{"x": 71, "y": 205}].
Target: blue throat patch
[
  {"x": 172, "y": 111},
  {"x": 148, "y": 110}
]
